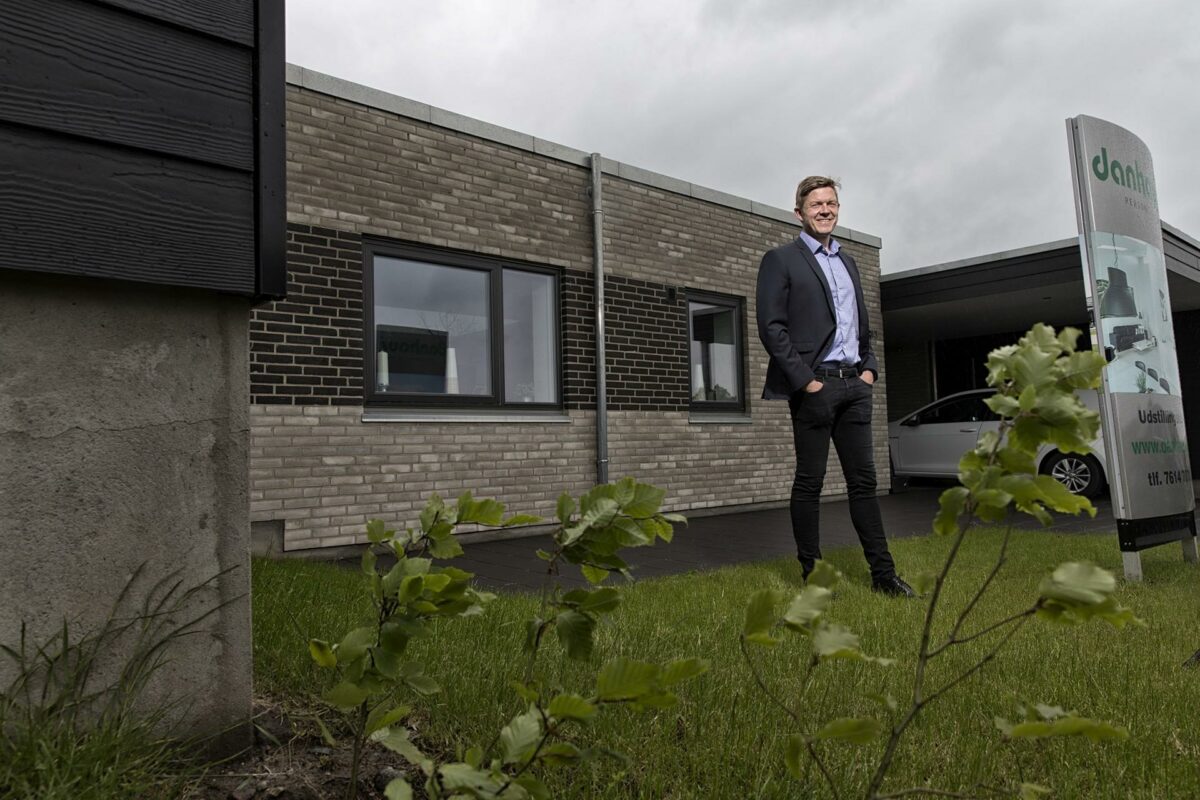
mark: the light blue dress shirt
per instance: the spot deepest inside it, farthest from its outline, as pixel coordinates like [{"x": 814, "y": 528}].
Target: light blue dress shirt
[{"x": 845, "y": 304}]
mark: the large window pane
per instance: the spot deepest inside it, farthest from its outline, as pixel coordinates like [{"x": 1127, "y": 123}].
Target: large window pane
[
  {"x": 432, "y": 328},
  {"x": 530, "y": 338},
  {"x": 714, "y": 353}
]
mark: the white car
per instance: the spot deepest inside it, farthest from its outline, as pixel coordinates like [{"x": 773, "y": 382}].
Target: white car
[{"x": 930, "y": 441}]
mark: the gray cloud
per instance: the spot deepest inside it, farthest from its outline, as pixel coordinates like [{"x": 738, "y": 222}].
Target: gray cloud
[{"x": 943, "y": 120}]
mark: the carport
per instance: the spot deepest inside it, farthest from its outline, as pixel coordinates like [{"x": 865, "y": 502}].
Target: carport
[{"x": 941, "y": 321}]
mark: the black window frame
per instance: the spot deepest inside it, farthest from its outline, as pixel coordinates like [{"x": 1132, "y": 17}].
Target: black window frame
[
  {"x": 495, "y": 267},
  {"x": 737, "y": 305}
]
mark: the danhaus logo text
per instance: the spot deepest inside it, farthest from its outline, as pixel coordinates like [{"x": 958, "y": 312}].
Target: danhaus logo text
[{"x": 1128, "y": 175}]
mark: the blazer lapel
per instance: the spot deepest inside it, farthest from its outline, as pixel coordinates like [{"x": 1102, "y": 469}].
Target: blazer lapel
[{"x": 811, "y": 261}]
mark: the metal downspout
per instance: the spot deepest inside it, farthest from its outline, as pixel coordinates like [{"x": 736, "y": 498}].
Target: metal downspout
[{"x": 598, "y": 283}]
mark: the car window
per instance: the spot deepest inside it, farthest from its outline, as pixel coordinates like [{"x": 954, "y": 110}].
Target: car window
[{"x": 960, "y": 409}]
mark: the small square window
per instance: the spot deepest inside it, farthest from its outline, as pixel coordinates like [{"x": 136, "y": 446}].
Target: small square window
[
  {"x": 457, "y": 329},
  {"x": 715, "y": 344}
]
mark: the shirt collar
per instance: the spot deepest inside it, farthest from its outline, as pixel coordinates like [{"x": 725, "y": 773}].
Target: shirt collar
[{"x": 813, "y": 245}]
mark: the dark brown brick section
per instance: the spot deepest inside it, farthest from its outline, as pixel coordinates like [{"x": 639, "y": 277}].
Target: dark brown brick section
[
  {"x": 579, "y": 340},
  {"x": 307, "y": 349},
  {"x": 646, "y": 338}
]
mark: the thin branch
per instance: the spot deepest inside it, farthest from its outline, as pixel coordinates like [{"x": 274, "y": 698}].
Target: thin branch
[
  {"x": 762, "y": 684},
  {"x": 983, "y": 661},
  {"x": 1001, "y": 559},
  {"x": 812, "y": 753},
  {"x": 985, "y": 631}
]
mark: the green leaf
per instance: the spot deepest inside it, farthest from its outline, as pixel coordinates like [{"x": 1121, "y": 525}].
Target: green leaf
[
  {"x": 520, "y": 736},
  {"x": 951, "y": 505},
  {"x": 683, "y": 669},
  {"x": 445, "y": 547},
  {"x": 322, "y": 653},
  {"x": 473, "y": 782},
  {"x": 793, "y": 751},
  {"x": 646, "y": 501},
  {"x": 923, "y": 582},
  {"x": 565, "y": 508},
  {"x": 601, "y": 601},
  {"x": 807, "y": 607},
  {"x": 885, "y": 700},
  {"x": 326, "y": 736},
  {"x": 1078, "y": 583},
  {"x": 595, "y": 575},
  {"x": 824, "y": 574},
  {"x": 832, "y": 640},
  {"x": 394, "y": 636},
  {"x": 1093, "y": 730},
  {"x": 543, "y": 555},
  {"x": 368, "y": 561},
  {"x": 423, "y": 684},
  {"x": 433, "y": 509},
  {"x": 575, "y": 633},
  {"x": 856, "y": 730},
  {"x": 560, "y": 754},
  {"x": 345, "y": 695},
  {"x": 675, "y": 519},
  {"x": 391, "y": 581},
  {"x": 761, "y": 616},
  {"x": 421, "y": 566},
  {"x": 571, "y": 706},
  {"x": 355, "y": 643},
  {"x": 1032, "y": 791},
  {"x": 411, "y": 588},
  {"x": 397, "y": 740},
  {"x": 1028, "y": 398},
  {"x": 376, "y": 532},
  {"x": 534, "y": 787},
  {"x": 625, "y": 679},
  {"x": 398, "y": 789},
  {"x": 383, "y": 717},
  {"x": 485, "y": 512}
]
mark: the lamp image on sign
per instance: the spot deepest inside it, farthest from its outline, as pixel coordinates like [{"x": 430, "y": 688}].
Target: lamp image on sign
[{"x": 1126, "y": 277}]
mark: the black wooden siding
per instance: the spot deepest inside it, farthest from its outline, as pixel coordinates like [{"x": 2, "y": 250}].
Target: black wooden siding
[{"x": 134, "y": 142}]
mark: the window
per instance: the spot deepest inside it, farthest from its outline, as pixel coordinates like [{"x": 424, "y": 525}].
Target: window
[
  {"x": 715, "y": 346},
  {"x": 456, "y": 329},
  {"x": 971, "y": 408}
]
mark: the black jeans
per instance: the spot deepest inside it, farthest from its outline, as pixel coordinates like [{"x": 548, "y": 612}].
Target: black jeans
[{"x": 840, "y": 411}]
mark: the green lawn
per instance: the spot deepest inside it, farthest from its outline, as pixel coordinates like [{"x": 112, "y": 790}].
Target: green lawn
[{"x": 724, "y": 740}]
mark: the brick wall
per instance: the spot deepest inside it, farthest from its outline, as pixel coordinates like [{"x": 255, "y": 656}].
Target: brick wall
[
  {"x": 355, "y": 171},
  {"x": 307, "y": 349}
]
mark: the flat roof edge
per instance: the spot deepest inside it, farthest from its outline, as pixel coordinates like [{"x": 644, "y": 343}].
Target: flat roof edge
[
  {"x": 402, "y": 106},
  {"x": 1019, "y": 252}
]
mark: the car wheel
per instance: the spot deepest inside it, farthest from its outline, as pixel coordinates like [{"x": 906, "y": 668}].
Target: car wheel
[{"x": 1081, "y": 474}]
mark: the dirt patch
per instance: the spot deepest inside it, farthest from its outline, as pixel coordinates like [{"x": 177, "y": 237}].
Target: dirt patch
[{"x": 291, "y": 761}]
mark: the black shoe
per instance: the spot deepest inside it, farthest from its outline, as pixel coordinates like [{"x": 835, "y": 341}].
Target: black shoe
[{"x": 893, "y": 587}]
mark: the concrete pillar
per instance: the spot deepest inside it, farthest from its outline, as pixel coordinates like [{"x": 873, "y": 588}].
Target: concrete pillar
[{"x": 123, "y": 440}]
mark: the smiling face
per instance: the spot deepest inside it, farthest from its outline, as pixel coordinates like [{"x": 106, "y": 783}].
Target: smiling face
[{"x": 818, "y": 213}]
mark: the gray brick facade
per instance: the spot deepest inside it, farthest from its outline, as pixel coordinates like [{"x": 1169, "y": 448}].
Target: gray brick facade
[{"x": 323, "y": 463}]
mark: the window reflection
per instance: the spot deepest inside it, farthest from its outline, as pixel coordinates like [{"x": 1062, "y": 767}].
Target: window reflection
[{"x": 432, "y": 328}]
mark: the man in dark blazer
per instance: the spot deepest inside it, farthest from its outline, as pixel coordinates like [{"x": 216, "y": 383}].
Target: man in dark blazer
[{"x": 813, "y": 322}]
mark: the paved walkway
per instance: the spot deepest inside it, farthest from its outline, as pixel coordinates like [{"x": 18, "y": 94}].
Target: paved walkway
[{"x": 717, "y": 541}]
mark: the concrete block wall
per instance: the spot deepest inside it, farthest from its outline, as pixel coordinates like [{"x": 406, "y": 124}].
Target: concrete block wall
[{"x": 323, "y": 465}]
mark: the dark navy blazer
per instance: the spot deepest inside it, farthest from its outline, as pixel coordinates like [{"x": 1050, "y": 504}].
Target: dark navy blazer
[{"x": 796, "y": 321}]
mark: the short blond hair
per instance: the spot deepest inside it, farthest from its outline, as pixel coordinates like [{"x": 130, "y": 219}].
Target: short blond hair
[{"x": 811, "y": 184}]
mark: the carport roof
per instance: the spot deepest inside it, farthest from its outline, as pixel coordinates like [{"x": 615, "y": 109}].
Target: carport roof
[{"x": 1011, "y": 290}]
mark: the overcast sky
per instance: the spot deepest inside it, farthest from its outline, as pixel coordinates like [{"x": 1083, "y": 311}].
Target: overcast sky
[{"x": 944, "y": 119}]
